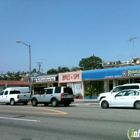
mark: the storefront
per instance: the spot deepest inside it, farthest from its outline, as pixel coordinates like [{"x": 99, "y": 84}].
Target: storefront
[
  {"x": 40, "y": 82},
  {"x": 73, "y": 80},
  {"x": 113, "y": 76}
]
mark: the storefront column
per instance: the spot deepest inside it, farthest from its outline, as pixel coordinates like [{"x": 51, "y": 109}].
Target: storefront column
[
  {"x": 115, "y": 83},
  {"x": 131, "y": 81},
  {"x": 83, "y": 89},
  {"x": 106, "y": 85}
]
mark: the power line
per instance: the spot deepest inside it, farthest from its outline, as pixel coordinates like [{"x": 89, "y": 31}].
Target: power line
[{"x": 132, "y": 40}]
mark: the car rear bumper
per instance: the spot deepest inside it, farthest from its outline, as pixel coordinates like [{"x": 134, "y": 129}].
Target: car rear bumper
[
  {"x": 22, "y": 100},
  {"x": 67, "y": 100}
]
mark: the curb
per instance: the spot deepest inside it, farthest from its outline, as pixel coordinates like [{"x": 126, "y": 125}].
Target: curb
[{"x": 86, "y": 101}]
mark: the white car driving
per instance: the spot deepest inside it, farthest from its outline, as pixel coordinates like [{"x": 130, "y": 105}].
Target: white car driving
[
  {"x": 124, "y": 98},
  {"x": 119, "y": 88}
]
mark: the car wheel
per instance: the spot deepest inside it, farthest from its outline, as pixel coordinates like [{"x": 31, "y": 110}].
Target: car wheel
[
  {"x": 137, "y": 105},
  {"x": 34, "y": 102},
  {"x": 54, "y": 102},
  {"x": 104, "y": 104},
  {"x": 12, "y": 102}
]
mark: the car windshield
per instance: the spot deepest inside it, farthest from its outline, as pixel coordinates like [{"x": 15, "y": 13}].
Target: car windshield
[{"x": 125, "y": 87}]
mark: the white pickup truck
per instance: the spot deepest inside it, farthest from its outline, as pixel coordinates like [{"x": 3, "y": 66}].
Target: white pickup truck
[{"x": 15, "y": 95}]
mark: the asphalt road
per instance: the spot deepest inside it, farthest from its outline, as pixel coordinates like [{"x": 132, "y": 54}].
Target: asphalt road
[{"x": 77, "y": 122}]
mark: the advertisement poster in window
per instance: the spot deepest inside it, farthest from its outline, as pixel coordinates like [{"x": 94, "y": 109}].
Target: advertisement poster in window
[{"x": 76, "y": 87}]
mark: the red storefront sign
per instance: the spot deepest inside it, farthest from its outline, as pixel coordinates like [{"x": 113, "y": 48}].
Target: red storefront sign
[{"x": 69, "y": 77}]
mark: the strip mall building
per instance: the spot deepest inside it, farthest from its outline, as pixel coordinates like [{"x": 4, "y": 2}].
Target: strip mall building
[
  {"x": 73, "y": 80},
  {"x": 110, "y": 77}
]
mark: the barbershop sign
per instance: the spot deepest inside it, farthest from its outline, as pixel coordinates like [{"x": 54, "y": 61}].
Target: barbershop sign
[{"x": 48, "y": 79}]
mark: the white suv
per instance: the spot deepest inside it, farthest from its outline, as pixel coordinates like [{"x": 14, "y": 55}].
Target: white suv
[
  {"x": 119, "y": 88},
  {"x": 54, "y": 96}
]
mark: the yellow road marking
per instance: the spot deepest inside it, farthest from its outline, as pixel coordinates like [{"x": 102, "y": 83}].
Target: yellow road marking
[
  {"x": 58, "y": 111},
  {"x": 52, "y": 110},
  {"x": 33, "y": 112}
]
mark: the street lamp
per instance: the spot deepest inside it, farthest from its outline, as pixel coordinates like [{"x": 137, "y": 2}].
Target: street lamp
[{"x": 29, "y": 63}]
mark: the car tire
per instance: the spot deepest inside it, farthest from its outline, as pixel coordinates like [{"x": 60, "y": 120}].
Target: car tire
[
  {"x": 54, "y": 103},
  {"x": 34, "y": 102},
  {"x": 137, "y": 105},
  {"x": 12, "y": 102},
  {"x": 104, "y": 104}
]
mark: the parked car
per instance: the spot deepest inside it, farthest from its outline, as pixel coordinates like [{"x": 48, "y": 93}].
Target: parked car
[
  {"x": 124, "y": 98},
  {"x": 119, "y": 88},
  {"x": 15, "y": 95},
  {"x": 54, "y": 96}
]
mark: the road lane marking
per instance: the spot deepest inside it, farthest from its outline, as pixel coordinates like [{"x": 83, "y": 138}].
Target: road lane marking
[
  {"x": 6, "y": 118},
  {"x": 35, "y": 112},
  {"x": 55, "y": 112}
]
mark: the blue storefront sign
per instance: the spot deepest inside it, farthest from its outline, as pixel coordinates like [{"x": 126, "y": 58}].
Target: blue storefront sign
[{"x": 111, "y": 73}]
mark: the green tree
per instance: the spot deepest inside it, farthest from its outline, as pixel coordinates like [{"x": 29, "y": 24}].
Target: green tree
[
  {"x": 58, "y": 70},
  {"x": 17, "y": 76},
  {"x": 1, "y": 78},
  {"x": 34, "y": 70},
  {"x": 92, "y": 62},
  {"x": 63, "y": 69},
  {"x": 74, "y": 69},
  {"x": 52, "y": 71},
  {"x": 93, "y": 88}
]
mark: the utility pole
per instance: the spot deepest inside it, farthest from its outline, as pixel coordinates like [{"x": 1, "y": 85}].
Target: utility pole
[
  {"x": 29, "y": 47},
  {"x": 39, "y": 66},
  {"x": 132, "y": 40}
]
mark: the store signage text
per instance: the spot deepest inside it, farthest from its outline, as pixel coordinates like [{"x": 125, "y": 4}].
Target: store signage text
[
  {"x": 69, "y": 77},
  {"x": 36, "y": 80},
  {"x": 133, "y": 72},
  {"x": 126, "y": 73}
]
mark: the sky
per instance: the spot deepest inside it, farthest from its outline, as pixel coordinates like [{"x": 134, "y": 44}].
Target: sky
[{"x": 62, "y": 32}]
